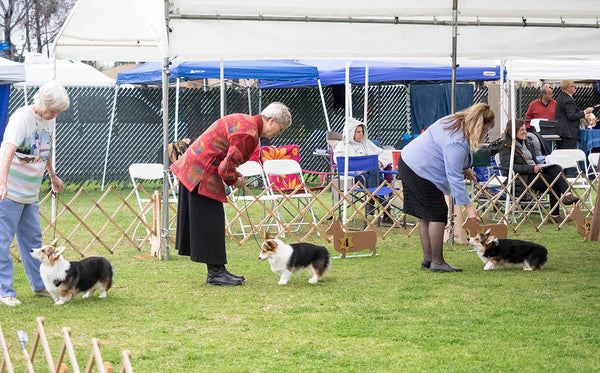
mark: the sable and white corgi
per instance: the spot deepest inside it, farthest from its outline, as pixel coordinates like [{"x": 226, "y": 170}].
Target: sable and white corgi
[
  {"x": 65, "y": 279},
  {"x": 288, "y": 259},
  {"x": 496, "y": 252}
]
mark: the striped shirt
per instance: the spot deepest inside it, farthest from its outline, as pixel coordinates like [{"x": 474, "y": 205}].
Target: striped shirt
[{"x": 32, "y": 135}]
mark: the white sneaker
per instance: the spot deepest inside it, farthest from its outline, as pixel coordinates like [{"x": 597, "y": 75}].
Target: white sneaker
[{"x": 10, "y": 301}]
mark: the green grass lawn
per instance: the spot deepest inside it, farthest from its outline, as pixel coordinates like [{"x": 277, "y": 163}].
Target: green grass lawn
[{"x": 370, "y": 314}]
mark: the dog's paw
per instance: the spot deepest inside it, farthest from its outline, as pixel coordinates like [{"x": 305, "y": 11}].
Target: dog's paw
[
  {"x": 489, "y": 266},
  {"x": 313, "y": 280},
  {"x": 59, "y": 302},
  {"x": 87, "y": 295},
  {"x": 102, "y": 295},
  {"x": 282, "y": 282}
]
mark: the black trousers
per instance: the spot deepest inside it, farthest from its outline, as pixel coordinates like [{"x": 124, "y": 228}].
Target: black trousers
[
  {"x": 200, "y": 227},
  {"x": 549, "y": 174}
]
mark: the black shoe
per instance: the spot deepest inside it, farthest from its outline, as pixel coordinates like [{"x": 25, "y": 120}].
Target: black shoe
[
  {"x": 425, "y": 264},
  {"x": 234, "y": 276},
  {"x": 217, "y": 275},
  {"x": 386, "y": 221},
  {"x": 441, "y": 268}
]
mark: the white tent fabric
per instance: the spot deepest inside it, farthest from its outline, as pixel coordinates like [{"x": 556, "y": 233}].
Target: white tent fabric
[
  {"x": 135, "y": 29},
  {"x": 39, "y": 70},
  {"x": 11, "y": 72},
  {"x": 553, "y": 69}
]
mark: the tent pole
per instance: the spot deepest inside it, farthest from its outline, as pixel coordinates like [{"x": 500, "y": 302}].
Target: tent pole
[
  {"x": 165, "y": 107},
  {"x": 222, "y": 86},
  {"x": 110, "y": 127},
  {"x": 177, "y": 110},
  {"x": 54, "y": 151},
  {"x": 366, "y": 92},
  {"x": 323, "y": 104},
  {"x": 453, "y": 103},
  {"x": 249, "y": 98},
  {"x": 346, "y": 138},
  {"x": 513, "y": 114},
  {"x": 259, "y": 99}
]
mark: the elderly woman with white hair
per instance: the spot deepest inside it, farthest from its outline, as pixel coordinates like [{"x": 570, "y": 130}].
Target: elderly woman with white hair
[
  {"x": 209, "y": 162},
  {"x": 25, "y": 154}
]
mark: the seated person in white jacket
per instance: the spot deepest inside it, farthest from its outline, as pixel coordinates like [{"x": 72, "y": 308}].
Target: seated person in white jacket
[{"x": 360, "y": 145}]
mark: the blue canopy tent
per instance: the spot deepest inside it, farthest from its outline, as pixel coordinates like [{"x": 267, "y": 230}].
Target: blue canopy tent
[
  {"x": 151, "y": 73},
  {"x": 332, "y": 72},
  {"x": 10, "y": 72}
]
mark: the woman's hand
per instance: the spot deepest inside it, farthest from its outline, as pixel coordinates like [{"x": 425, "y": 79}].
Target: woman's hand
[
  {"x": 536, "y": 169},
  {"x": 57, "y": 184},
  {"x": 241, "y": 182},
  {"x": 469, "y": 174},
  {"x": 471, "y": 212}
]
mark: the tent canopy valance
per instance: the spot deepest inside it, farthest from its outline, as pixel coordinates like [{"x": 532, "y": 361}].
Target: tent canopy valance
[
  {"x": 151, "y": 72},
  {"x": 334, "y": 72}
]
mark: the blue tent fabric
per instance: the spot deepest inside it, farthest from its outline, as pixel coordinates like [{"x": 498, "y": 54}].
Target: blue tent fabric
[
  {"x": 333, "y": 72},
  {"x": 151, "y": 72},
  {"x": 4, "y": 96},
  {"x": 430, "y": 102}
]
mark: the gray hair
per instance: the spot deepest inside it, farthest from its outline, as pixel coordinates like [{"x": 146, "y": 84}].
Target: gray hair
[
  {"x": 52, "y": 96},
  {"x": 279, "y": 112}
]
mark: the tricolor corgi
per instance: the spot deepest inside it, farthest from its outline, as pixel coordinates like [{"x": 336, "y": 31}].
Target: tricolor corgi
[
  {"x": 496, "y": 252},
  {"x": 65, "y": 279},
  {"x": 286, "y": 259}
]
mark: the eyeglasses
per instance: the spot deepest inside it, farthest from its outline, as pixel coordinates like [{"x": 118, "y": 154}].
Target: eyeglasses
[{"x": 571, "y": 86}]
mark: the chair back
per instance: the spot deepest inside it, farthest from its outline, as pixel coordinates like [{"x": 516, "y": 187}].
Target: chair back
[
  {"x": 360, "y": 163},
  {"x": 567, "y": 158},
  {"x": 250, "y": 168},
  {"x": 284, "y": 174},
  {"x": 146, "y": 171},
  {"x": 285, "y": 152}
]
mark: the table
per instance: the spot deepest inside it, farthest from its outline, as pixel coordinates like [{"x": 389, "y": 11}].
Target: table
[{"x": 589, "y": 139}]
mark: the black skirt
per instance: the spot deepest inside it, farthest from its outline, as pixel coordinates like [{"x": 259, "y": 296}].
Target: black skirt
[
  {"x": 200, "y": 227},
  {"x": 422, "y": 199}
]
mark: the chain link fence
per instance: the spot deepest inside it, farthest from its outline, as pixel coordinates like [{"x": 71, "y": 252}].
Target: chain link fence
[{"x": 83, "y": 130}]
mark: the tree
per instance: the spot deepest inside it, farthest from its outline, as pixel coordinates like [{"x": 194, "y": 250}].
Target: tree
[{"x": 37, "y": 22}]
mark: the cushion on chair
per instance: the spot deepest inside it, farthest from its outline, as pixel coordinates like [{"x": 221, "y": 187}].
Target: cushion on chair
[{"x": 283, "y": 182}]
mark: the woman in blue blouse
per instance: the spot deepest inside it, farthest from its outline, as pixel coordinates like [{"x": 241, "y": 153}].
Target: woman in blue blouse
[{"x": 435, "y": 164}]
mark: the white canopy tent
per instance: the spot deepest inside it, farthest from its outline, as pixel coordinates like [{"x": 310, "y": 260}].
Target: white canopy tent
[{"x": 130, "y": 30}]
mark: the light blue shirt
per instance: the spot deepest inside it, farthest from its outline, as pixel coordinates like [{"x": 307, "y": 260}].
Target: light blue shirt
[{"x": 440, "y": 156}]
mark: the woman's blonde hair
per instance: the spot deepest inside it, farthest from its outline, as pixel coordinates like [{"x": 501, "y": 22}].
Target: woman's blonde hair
[{"x": 474, "y": 122}]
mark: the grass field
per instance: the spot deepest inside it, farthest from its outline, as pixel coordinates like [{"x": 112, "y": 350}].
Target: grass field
[{"x": 373, "y": 314}]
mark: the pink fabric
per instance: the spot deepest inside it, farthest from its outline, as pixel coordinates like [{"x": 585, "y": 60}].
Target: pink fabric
[{"x": 284, "y": 182}]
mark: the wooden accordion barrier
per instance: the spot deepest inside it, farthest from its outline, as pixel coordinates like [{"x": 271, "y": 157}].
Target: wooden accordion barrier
[{"x": 59, "y": 366}]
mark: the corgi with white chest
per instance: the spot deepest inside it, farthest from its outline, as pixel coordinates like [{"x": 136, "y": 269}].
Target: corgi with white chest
[
  {"x": 287, "y": 259},
  {"x": 65, "y": 279},
  {"x": 496, "y": 252}
]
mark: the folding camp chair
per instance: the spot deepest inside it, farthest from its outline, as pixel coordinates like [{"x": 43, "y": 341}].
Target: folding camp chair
[{"x": 360, "y": 168}]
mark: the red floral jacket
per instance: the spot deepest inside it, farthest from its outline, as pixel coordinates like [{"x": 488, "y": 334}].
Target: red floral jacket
[{"x": 213, "y": 157}]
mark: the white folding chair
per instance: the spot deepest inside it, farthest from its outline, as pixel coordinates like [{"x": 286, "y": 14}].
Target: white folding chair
[
  {"x": 252, "y": 172},
  {"x": 593, "y": 164},
  {"x": 274, "y": 170},
  {"x": 147, "y": 172},
  {"x": 571, "y": 158}
]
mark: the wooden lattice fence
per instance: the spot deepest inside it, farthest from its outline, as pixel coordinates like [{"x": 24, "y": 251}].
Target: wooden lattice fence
[{"x": 94, "y": 222}]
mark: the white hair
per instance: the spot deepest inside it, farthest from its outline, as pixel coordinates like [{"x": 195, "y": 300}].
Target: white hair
[
  {"x": 279, "y": 112},
  {"x": 52, "y": 96}
]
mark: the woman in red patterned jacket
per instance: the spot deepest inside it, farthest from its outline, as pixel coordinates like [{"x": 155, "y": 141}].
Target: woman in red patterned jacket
[{"x": 209, "y": 162}]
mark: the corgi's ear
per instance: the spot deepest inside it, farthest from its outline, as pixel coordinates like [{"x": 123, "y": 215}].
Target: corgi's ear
[
  {"x": 271, "y": 244},
  {"x": 54, "y": 242},
  {"x": 489, "y": 240},
  {"x": 59, "y": 251}
]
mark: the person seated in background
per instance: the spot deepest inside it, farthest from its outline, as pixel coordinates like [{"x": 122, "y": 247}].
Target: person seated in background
[
  {"x": 360, "y": 145},
  {"x": 541, "y": 108},
  {"x": 527, "y": 165}
]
